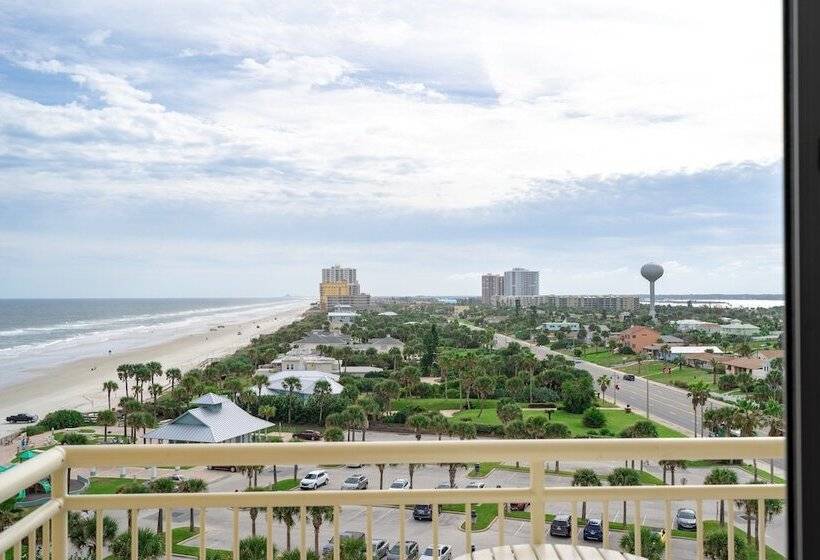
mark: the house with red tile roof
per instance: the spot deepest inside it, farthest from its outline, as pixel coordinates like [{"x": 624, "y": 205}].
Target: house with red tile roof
[{"x": 638, "y": 337}]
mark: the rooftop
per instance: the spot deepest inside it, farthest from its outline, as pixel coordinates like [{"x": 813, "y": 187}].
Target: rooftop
[{"x": 307, "y": 379}]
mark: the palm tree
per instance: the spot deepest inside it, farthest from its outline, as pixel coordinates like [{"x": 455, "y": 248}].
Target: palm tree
[
  {"x": 484, "y": 387},
  {"x": 438, "y": 423},
  {"x": 154, "y": 370},
  {"x": 357, "y": 419},
  {"x": 155, "y": 390},
  {"x": 162, "y": 486},
  {"x": 671, "y": 465},
  {"x": 318, "y": 515},
  {"x": 321, "y": 390},
  {"x": 128, "y": 406},
  {"x": 748, "y": 418},
  {"x": 192, "y": 486},
  {"x": 253, "y": 547},
  {"x": 291, "y": 384},
  {"x": 286, "y": 515},
  {"x": 699, "y": 393},
  {"x": 585, "y": 477},
  {"x": 110, "y": 387},
  {"x": 106, "y": 418},
  {"x": 721, "y": 476},
  {"x": 334, "y": 433},
  {"x": 173, "y": 375},
  {"x": 252, "y": 472},
  {"x": 142, "y": 374},
  {"x": 604, "y": 382},
  {"x": 381, "y": 466},
  {"x": 386, "y": 391},
  {"x": 773, "y": 414},
  {"x": 772, "y": 507},
  {"x": 124, "y": 371},
  {"x": 418, "y": 422},
  {"x": 716, "y": 365},
  {"x": 528, "y": 363},
  {"x": 267, "y": 411},
  {"x": 623, "y": 476},
  {"x": 259, "y": 381},
  {"x": 150, "y": 545},
  {"x": 234, "y": 386}
]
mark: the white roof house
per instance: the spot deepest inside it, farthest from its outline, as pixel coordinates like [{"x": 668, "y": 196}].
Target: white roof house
[
  {"x": 388, "y": 313},
  {"x": 740, "y": 329},
  {"x": 689, "y": 325},
  {"x": 307, "y": 379},
  {"x": 216, "y": 420},
  {"x": 301, "y": 362},
  {"x": 695, "y": 350}
]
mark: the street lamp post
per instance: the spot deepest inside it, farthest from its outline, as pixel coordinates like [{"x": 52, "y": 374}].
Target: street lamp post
[{"x": 647, "y": 399}]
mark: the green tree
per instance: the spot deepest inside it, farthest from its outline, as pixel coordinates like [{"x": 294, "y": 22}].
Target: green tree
[
  {"x": 699, "y": 395},
  {"x": 124, "y": 373},
  {"x": 773, "y": 507},
  {"x": 719, "y": 476},
  {"x": 254, "y": 548},
  {"x": 385, "y": 392},
  {"x": 110, "y": 387},
  {"x": 173, "y": 375},
  {"x": 287, "y": 516},
  {"x": 509, "y": 412},
  {"x": 603, "y": 383},
  {"x": 585, "y": 477},
  {"x": 577, "y": 394},
  {"x": 623, "y": 476},
  {"x": 82, "y": 531},
  {"x": 192, "y": 486},
  {"x": 418, "y": 422},
  {"x": 438, "y": 423},
  {"x": 334, "y": 433},
  {"x": 106, "y": 418},
  {"x": 149, "y": 544},
  {"x": 484, "y": 387},
  {"x": 593, "y": 418},
  {"x": 672, "y": 466},
  {"x": 161, "y": 486},
  {"x": 748, "y": 418},
  {"x": 319, "y": 515},
  {"x": 464, "y": 430},
  {"x": 321, "y": 391},
  {"x": 291, "y": 384},
  {"x": 429, "y": 349},
  {"x": 652, "y": 547}
]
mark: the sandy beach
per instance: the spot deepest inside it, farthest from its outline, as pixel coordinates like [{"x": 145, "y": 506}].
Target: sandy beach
[{"x": 78, "y": 385}]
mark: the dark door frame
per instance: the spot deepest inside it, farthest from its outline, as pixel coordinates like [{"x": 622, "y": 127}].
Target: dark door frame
[{"x": 801, "y": 165}]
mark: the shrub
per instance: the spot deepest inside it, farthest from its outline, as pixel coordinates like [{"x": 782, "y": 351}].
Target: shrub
[
  {"x": 75, "y": 438},
  {"x": 35, "y": 430},
  {"x": 716, "y": 545},
  {"x": 727, "y": 382},
  {"x": 680, "y": 384},
  {"x": 546, "y": 395},
  {"x": 594, "y": 418},
  {"x": 651, "y": 545},
  {"x": 60, "y": 419},
  {"x": 640, "y": 429},
  {"x": 578, "y": 394}
]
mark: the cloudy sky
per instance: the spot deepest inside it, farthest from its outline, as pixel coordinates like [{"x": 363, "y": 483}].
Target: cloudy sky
[{"x": 233, "y": 148}]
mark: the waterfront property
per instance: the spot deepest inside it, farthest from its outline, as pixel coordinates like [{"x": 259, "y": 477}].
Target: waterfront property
[
  {"x": 278, "y": 384},
  {"x": 216, "y": 419},
  {"x": 300, "y": 362}
]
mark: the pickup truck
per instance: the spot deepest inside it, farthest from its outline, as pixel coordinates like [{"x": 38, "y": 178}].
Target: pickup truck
[{"x": 21, "y": 418}]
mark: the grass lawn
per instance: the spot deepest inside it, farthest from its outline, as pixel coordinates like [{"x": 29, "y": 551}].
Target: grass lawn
[
  {"x": 108, "y": 485},
  {"x": 762, "y": 474},
  {"x": 607, "y": 358},
  {"x": 183, "y": 534},
  {"x": 284, "y": 484},
  {"x": 485, "y": 514},
  {"x": 439, "y": 404},
  {"x": 654, "y": 370},
  {"x": 616, "y": 420}
]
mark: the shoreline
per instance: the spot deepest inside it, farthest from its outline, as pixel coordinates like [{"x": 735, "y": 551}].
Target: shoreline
[{"x": 78, "y": 384}]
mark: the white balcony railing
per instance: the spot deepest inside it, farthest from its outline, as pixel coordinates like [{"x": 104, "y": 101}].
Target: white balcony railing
[{"x": 49, "y": 521}]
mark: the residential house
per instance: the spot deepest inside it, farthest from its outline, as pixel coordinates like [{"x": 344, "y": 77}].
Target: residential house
[
  {"x": 562, "y": 326},
  {"x": 746, "y": 365},
  {"x": 638, "y": 337},
  {"x": 307, "y": 382},
  {"x": 301, "y": 362},
  {"x": 768, "y": 355}
]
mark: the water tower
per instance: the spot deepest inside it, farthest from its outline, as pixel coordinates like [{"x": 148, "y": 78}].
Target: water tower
[{"x": 652, "y": 272}]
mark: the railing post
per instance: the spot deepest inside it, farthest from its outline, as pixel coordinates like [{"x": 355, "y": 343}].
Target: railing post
[
  {"x": 59, "y": 524},
  {"x": 538, "y": 499}
]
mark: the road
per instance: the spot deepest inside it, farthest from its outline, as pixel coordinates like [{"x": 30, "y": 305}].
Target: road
[{"x": 666, "y": 404}]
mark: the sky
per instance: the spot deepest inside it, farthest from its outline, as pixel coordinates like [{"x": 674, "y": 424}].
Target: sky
[{"x": 172, "y": 149}]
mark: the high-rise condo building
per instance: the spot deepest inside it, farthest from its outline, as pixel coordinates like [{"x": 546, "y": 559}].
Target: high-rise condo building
[
  {"x": 521, "y": 282},
  {"x": 491, "y": 285},
  {"x": 341, "y": 287},
  {"x": 338, "y": 274}
]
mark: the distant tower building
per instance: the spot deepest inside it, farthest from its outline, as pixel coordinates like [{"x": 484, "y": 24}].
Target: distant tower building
[
  {"x": 521, "y": 282},
  {"x": 340, "y": 287},
  {"x": 491, "y": 285},
  {"x": 652, "y": 272},
  {"x": 338, "y": 274}
]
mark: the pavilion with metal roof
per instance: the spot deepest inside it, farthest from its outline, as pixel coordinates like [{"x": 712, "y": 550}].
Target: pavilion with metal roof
[{"x": 216, "y": 419}]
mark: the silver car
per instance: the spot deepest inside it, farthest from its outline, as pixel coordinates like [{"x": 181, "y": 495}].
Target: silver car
[
  {"x": 686, "y": 520},
  {"x": 411, "y": 551},
  {"x": 445, "y": 552},
  {"x": 379, "y": 549},
  {"x": 355, "y": 482},
  {"x": 400, "y": 484}
]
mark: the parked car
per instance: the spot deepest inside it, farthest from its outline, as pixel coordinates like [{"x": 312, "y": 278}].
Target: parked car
[
  {"x": 327, "y": 550},
  {"x": 629, "y": 377},
  {"x": 229, "y": 468},
  {"x": 519, "y": 506},
  {"x": 177, "y": 478},
  {"x": 476, "y": 484},
  {"x": 445, "y": 486},
  {"x": 686, "y": 520},
  {"x": 355, "y": 482},
  {"x": 411, "y": 551},
  {"x": 594, "y": 530},
  {"x": 423, "y": 512},
  {"x": 445, "y": 552},
  {"x": 561, "y": 525},
  {"x": 379, "y": 549},
  {"x": 308, "y": 435},
  {"x": 22, "y": 417},
  {"x": 400, "y": 484},
  {"x": 314, "y": 479}
]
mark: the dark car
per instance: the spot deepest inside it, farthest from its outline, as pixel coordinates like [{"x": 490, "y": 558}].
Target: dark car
[
  {"x": 594, "y": 530},
  {"x": 629, "y": 377},
  {"x": 21, "y": 417},
  {"x": 423, "y": 512},
  {"x": 308, "y": 435},
  {"x": 519, "y": 506},
  {"x": 561, "y": 526},
  {"x": 231, "y": 468}
]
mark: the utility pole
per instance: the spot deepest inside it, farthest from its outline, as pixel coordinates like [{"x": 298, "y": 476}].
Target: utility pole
[{"x": 647, "y": 399}]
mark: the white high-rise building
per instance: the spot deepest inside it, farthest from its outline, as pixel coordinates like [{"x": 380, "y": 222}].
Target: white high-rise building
[
  {"x": 338, "y": 274},
  {"x": 521, "y": 282}
]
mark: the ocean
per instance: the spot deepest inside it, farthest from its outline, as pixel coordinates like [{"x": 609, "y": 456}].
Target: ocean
[
  {"x": 36, "y": 333},
  {"x": 724, "y": 302}
]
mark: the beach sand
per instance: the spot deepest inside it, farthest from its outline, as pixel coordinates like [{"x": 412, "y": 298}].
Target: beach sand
[{"x": 78, "y": 385}]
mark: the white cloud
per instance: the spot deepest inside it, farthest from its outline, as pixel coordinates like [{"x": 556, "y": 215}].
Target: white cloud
[
  {"x": 282, "y": 68},
  {"x": 97, "y": 38}
]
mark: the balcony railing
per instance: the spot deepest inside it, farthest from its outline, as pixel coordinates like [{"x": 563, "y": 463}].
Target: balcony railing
[{"x": 50, "y": 520}]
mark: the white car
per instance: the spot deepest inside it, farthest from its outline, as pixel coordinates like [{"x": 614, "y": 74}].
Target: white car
[
  {"x": 400, "y": 484},
  {"x": 355, "y": 482},
  {"x": 475, "y": 484},
  {"x": 445, "y": 552},
  {"x": 314, "y": 479}
]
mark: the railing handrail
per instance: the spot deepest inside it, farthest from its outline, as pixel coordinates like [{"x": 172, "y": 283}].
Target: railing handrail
[
  {"x": 29, "y": 472},
  {"x": 423, "y": 451}
]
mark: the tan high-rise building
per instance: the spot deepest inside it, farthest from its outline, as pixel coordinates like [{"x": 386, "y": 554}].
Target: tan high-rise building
[
  {"x": 337, "y": 273},
  {"x": 491, "y": 285},
  {"x": 332, "y": 289}
]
